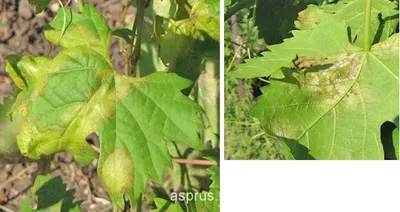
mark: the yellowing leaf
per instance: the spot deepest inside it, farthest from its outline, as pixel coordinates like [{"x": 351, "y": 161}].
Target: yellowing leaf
[{"x": 66, "y": 98}]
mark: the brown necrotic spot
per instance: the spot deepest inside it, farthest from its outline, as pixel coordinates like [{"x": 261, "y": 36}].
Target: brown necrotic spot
[{"x": 306, "y": 62}]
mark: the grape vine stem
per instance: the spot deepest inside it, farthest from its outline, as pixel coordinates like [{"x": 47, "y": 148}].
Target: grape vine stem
[
  {"x": 5, "y": 209},
  {"x": 139, "y": 205},
  {"x": 137, "y": 30}
]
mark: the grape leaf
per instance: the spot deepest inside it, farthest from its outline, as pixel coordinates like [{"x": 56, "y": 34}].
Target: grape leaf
[
  {"x": 204, "y": 201},
  {"x": 310, "y": 17},
  {"x": 203, "y": 204},
  {"x": 150, "y": 112},
  {"x": 61, "y": 101},
  {"x": 208, "y": 200},
  {"x": 200, "y": 25},
  {"x": 319, "y": 2},
  {"x": 66, "y": 98},
  {"x": 275, "y": 19},
  {"x": 40, "y": 4},
  {"x": 188, "y": 42},
  {"x": 9, "y": 152},
  {"x": 165, "y": 8},
  {"x": 214, "y": 170},
  {"x": 235, "y": 6},
  {"x": 334, "y": 109},
  {"x": 306, "y": 43},
  {"x": 51, "y": 195},
  {"x": 384, "y": 18},
  {"x": 123, "y": 33},
  {"x": 396, "y": 144},
  {"x": 227, "y": 3},
  {"x": 164, "y": 206},
  {"x": 212, "y": 5},
  {"x": 213, "y": 201},
  {"x": 203, "y": 22},
  {"x": 88, "y": 24}
]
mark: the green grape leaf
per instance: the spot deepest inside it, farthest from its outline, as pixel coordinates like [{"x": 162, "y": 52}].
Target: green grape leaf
[
  {"x": 214, "y": 170},
  {"x": 396, "y": 143},
  {"x": 51, "y": 195},
  {"x": 165, "y": 8},
  {"x": 173, "y": 45},
  {"x": 209, "y": 202},
  {"x": 235, "y": 6},
  {"x": 88, "y": 24},
  {"x": 40, "y": 4},
  {"x": 305, "y": 43},
  {"x": 333, "y": 109},
  {"x": 319, "y": 2},
  {"x": 9, "y": 151},
  {"x": 150, "y": 112},
  {"x": 205, "y": 203},
  {"x": 164, "y": 206},
  {"x": 66, "y": 98},
  {"x": 212, "y": 202},
  {"x": 123, "y": 33},
  {"x": 384, "y": 18},
  {"x": 287, "y": 154},
  {"x": 212, "y": 6},
  {"x": 227, "y": 3},
  {"x": 310, "y": 17},
  {"x": 187, "y": 42},
  {"x": 202, "y": 23},
  {"x": 198, "y": 27}
]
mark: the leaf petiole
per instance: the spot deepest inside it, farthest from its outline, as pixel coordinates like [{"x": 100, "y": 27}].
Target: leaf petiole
[
  {"x": 367, "y": 27},
  {"x": 64, "y": 19}
]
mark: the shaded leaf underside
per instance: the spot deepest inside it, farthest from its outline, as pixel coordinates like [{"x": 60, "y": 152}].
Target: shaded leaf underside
[{"x": 51, "y": 194}]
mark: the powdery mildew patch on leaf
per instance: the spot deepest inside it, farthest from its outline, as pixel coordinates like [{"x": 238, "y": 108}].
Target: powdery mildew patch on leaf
[{"x": 118, "y": 172}]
